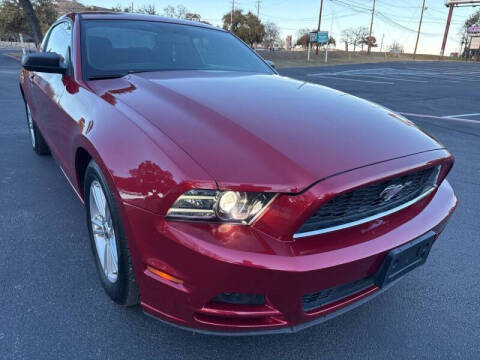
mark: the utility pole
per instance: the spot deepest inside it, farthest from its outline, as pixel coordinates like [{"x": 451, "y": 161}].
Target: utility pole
[
  {"x": 319, "y": 22},
  {"x": 419, "y": 27},
  {"x": 371, "y": 27},
  {"x": 447, "y": 27},
  {"x": 258, "y": 8},
  {"x": 231, "y": 16},
  {"x": 381, "y": 44}
]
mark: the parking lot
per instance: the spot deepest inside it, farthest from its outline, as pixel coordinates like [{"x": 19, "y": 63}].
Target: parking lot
[{"x": 52, "y": 305}]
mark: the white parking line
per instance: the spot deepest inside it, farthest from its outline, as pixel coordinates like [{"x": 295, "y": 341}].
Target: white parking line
[
  {"x": 440, "y": 117},
  {"x": 347, "y": 79},
  {"x": 392, "y": 75},
  {"x": 462, "y": 115},
  {"x": 390, "y": 78}
]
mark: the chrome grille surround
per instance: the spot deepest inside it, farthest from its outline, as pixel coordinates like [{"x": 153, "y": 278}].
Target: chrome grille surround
[{"x": 370, "y": 202}]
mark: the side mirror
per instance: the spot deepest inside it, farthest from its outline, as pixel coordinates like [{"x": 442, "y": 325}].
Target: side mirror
[
  {"x": 44, "y": 62},
  {"x": 270, "y": 63}
]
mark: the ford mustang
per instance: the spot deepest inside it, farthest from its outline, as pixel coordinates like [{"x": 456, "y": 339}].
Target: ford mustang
[{"x": 219, "y": 195}]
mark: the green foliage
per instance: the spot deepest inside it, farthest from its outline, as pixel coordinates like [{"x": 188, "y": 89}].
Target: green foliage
[
  {"x": 46, "y": 13},
  {"x": 303, "y": 40},
  {"x": 13, "y": 20},
  {"x": 472, "y": 20},
  {"x": 247, "y": 27}
]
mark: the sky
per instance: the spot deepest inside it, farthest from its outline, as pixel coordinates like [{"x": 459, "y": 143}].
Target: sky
[{"x": 395, "y": 20}]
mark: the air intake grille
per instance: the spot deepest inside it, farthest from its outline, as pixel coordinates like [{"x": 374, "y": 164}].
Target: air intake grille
[{"x": 365, "y": 203}]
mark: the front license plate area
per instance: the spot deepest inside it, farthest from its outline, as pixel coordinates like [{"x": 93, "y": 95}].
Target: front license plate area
[{"x": 404, "y": 259}]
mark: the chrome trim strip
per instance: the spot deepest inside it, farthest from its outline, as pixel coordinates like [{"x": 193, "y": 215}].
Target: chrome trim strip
[
  {"x": 365, "y": 220},
  {"x": 187, "y": 210},
  {"x": 196, "y": 197}
]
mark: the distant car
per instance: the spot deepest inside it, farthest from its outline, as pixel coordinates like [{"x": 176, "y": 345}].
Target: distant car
[{"x": 222, "y": 196}]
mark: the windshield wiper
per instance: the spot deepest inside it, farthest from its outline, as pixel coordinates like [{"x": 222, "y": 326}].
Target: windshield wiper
[{"x": 106, "y": 76}]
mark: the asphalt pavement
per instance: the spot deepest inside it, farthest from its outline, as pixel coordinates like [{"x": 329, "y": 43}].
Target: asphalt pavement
[{"x": 53, "y": 307}]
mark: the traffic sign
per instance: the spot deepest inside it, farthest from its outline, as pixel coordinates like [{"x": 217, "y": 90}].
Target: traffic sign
[{"x": 322, "y": 37}]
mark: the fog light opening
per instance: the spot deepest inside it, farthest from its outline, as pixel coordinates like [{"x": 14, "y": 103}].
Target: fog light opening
[{"x": 239, "y": 299}]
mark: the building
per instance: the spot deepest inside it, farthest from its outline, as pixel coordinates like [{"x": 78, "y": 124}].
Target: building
[
  {"x": 193, "y": 17},
  {"x": 288, "y": 42}
]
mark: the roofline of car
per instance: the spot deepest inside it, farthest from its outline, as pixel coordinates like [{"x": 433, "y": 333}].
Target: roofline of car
[{"x": 106, "y": 15}]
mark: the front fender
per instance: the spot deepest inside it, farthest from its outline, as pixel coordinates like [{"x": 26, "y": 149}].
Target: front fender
[{"x": 143, "y": 167}]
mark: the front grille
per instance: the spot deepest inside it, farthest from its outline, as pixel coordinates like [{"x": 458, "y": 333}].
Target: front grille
[{"x": 364, "y": 204}]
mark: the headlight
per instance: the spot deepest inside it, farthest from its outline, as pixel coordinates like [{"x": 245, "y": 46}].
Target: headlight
[{"x": 214, "y": 205}]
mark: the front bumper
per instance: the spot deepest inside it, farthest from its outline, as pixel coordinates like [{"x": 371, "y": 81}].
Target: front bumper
[{"x": 213, "y": 259}]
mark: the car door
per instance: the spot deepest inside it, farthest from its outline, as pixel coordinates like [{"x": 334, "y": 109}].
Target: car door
[{"x": 48, "y": 90}]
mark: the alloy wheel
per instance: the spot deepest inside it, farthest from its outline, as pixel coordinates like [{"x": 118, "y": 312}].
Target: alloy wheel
[
  {"x": 103, "y": 232},
  {"x": 30, "y": 126}
]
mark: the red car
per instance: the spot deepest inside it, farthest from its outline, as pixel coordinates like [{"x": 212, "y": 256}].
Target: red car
[{"x": 219, "y": 195}]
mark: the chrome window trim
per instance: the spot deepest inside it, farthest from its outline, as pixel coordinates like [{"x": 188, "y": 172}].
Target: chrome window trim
[{"x": 365, "y": 220}]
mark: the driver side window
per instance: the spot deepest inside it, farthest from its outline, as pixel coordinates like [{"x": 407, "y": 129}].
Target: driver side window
[{"x": 60, "y": 40}]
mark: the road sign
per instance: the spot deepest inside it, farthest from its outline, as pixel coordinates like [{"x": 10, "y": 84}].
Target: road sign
[
  {"x": 474, "y": 29},
  {"x": 322, "y": 37},
  {"x": 313, "y": 37},
  {"x": 460, "y": 2}
]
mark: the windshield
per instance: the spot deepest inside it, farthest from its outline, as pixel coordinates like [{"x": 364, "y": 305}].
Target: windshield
[{"x": 117, "y": 47}]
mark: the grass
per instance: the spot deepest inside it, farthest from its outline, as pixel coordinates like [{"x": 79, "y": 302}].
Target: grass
[{"x": 284, "y": 59}]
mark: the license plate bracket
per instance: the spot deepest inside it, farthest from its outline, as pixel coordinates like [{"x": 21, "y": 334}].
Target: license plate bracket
[{"x": 405, "y": 258}]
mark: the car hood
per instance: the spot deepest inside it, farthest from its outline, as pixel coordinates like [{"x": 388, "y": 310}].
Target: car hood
[{"x": 266, "y": 132}]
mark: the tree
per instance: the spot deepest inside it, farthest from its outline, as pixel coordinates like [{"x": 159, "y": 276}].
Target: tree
[
  {"x": 303, "y": 37},
  {"x": 272, "y": 34},
  {"x": 354, "y": 36},
  {"x": 369, "y": 40},
  {"x": 347, "y": 37},
  {"x": 396, "y": 48},
  {"x": 303, "y": 31},
  {"x": 32, "y": 21},
  {"x": 332, "y": 41},
  {"x": 359, "y": 35},
  {"x": 119, "y": 8},
  {"x": 147, "y": 9},
  {"x": 472, "y": 20},
  {"x": 13, "y": 19},
  {"x": 179, "y": 12},
  {"x": 46, "y": 14},
  {"x": 247, "y": 27},
  {"x": 303, "y": 40}
]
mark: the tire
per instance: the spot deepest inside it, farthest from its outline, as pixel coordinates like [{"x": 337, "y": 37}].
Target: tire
[
  {"x": 39, "y": 144},
  {"x": 107, "y": 238}
]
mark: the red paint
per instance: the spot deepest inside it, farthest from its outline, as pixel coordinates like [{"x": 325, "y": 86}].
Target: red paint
[{"x": 157, "y": 135}]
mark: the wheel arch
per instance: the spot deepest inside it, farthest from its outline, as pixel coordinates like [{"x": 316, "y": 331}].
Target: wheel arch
[
  {"x": 85, "y": 151},
  {"x": 82, "y": 159}
]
